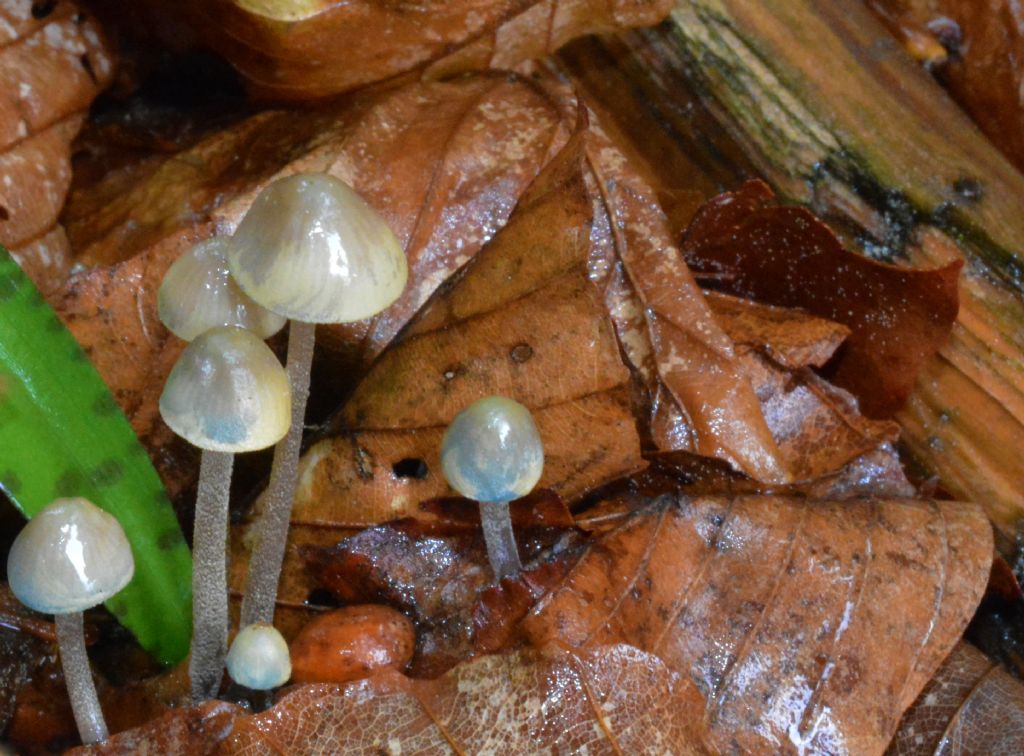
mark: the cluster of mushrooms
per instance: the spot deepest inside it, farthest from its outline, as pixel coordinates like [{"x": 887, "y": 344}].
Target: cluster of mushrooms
[{"x": 309, "y": 250}]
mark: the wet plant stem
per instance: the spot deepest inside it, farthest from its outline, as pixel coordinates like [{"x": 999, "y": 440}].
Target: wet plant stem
[
  {"x": 78, "y": 676},
  {"x": 272, "y": 527},
  {"x": 500, "y": 540},
  {"x": 210, "y": 576}
]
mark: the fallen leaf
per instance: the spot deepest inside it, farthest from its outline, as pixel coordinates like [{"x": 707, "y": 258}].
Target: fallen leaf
[
  {"x": 818, "y": 428},
  {"x": 443, "y": 581},
  {"x": 971, "y": 706},
  {"x": 611, "y": 700},
  {"x": 308, "y": 49},
  {"x": 795, "y": 625},
  {"x": 444, "y": 163},
  {"x": 509, "y": 323},
  {"x": 191, "y": 731},
  {"x": 52, "y": 66},
  {"x": 785, "y": 256}
]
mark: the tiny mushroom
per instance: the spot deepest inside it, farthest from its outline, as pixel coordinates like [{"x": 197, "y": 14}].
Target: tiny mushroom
[
  {"x": 259, "y": 657},
  {"x": 227, "y": 393},
  {"x": 492, "y": 452},
  {"x": 70, "y": 557},
  {"x": 312, "y": 250},
  {"x": 198, "y": 293}
]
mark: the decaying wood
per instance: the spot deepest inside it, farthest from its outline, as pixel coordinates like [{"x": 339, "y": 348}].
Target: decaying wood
[{"x": 829, "y": 107}]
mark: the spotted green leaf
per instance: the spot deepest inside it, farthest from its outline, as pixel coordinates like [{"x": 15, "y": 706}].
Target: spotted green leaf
[{"x": 62, "y": 434}]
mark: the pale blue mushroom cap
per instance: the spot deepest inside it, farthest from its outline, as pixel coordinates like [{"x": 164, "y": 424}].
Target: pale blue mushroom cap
[
  {"x": 259, "y": 657},
  {"x": 492, "y": 451},
  {"x": 70, "y": 557}
]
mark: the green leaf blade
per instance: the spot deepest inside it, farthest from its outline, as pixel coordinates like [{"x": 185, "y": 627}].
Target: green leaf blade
[{"x": 62, "y": 434}]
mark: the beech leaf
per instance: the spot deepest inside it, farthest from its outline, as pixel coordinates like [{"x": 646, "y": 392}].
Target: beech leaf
[
  {"x": 52, "y": 66},
  {"x": 971, "y": 706},
  {"x": 281, "y": 47},
  {"x": 785, "y": 256},
  {"x": 795, "y": 625}
]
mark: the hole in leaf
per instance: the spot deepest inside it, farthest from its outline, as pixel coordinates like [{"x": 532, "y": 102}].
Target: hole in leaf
[
  {"x": 43, "y": 8},
  {"x": 410, "y": 467},
  {"x": 321, "y": 597}
]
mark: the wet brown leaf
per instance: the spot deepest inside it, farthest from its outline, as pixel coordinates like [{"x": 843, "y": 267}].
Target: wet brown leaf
[
  {"x": 52, "y": 66},
  {"x": 191, "y": 730},
  {"x": 444, "y": 163},
  {"x": 510, "y": 323},
  {"x": 971, "y": 706},
  {"x": 785, "y": 256},
  {"x": 441, "y": 578},
  {"x": 793, "y": 624},
  {"x": 307, "y": 49}
]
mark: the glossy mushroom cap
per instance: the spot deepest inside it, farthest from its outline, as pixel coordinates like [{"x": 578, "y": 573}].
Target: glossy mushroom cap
[
  {"x": 492, "y": 451},
  {"x": 198, "y": 293},
  {"x": 69, "y": 557},
  {"x": 311, "y": 249},
  {"x": 227, "y": 393},
  {"x": 259, "y": 658}
]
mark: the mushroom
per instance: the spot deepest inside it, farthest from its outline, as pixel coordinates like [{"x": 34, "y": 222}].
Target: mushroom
[
  {"x": 227, "y": 393},
  {"x": 492, "y": 452},
  {"x": 311, "y": 249},
  {"x": 259, "y": 657},
  {"x": 198, "y": 293},
  {"x": 71, "y": 557}
]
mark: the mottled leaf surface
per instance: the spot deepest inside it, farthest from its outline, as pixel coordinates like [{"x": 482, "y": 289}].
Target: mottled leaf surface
[
  {"x": 971, "y": 706},
  {"x": 52, "y": 66},
  {"x": 795, "y": 625}
]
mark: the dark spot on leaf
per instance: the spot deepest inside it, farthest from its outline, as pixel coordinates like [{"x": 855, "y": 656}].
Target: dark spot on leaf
[
  {"x": 79, "y": 18},
  {"x": 521, "y": 353},
  {"x": 10, "y": 482},
  {"x": 8, "y": 288},
  {"x": 87, "y": 65},
  {"x": 43, "y": 8},
  {"x": 170, "y": 539},
  {"x": 105, "y": 406},
  {"x": 108, "y": 472},
  {"x": 364, "y": 463},
  {"x": 410, "y": 467},
  {"x": 4, "y": 213},
  {"x": 70, "y": 483}
]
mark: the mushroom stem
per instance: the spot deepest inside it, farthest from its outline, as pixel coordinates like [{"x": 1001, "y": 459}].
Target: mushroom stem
[
  {"x": 500, "y": 540},
  {"x": 78, "y": 677},
  {"x": 210, "y": 575},
  {"x": 272, "y": 528}
]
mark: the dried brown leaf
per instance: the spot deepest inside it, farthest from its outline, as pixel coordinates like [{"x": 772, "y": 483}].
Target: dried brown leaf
[
  {"x": 795, "y": 625},
  {"x": 971, "y": 706},
  {"x": 508, "y": 324},
  {"x": 306, "y": 49},
  {"x": 52, "y": 66},
  {"x": 785, "y": 256}
]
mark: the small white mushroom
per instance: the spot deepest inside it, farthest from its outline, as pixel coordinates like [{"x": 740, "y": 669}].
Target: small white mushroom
[
  {"x": 492, "y": 452},
  {"x": 259, "y": 657},
  {"x": 70, "y": 557},
  {"x": 311, "y": 249},
  {"x": 227, "y": 393},
  {"x": 198, "y": 293}
]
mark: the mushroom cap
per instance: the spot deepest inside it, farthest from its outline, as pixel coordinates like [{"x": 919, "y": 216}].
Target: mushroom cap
[
  {"x": 228, "y": 393},
  {"x": 311, "y": 249},
  {"x": 492, "y": 451},
  {"x": 69, "y": 557},
  {"x": 198, "y": 293},
  {"x": 259, "y": 657}
]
